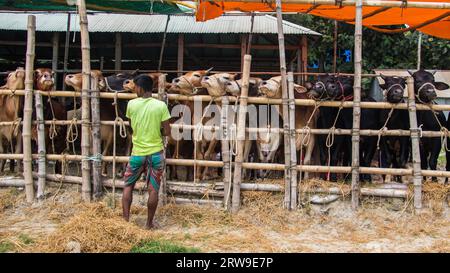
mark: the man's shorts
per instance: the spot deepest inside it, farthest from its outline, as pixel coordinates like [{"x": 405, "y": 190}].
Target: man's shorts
[{"x": 152, "y": 165}]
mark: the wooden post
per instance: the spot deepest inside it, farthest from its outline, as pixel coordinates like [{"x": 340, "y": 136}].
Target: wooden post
[
  {"x": 55, "y": 53},
  {"x": 356, "y": 106},
  {"x": 305, "y": 56},
  {"x": 335, "y": 39},
  {"x": 85, "y": 105},
  {"x": 225, "y": 153},
  {"x": 102, "y": 63},
  {"x": 250, "y": 36},
  {"x": 243, "y": 50},
  {"x": 299, "y": 63},
  {"x": 162, "y": 194},
  {"x": 163, "y": 44},
  {"x": 42, "y": 170},
  {"x": 419, "y": 51},
  {"x": 240, "y": 136},
  {"x": 96, "y": 139},
  {"x": 285, "y": 107},
  {"x": 28, "y": 108},
  {"x": 415, "y": 139},
  {"x": 292, "y": 140},
  {"x": 118, "y": 52},
  {"x": 180, "y": 55},
  {"x": 66, "y": 52}
]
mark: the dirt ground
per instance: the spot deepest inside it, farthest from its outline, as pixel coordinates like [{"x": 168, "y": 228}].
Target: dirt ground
[{"x": 62, "y": 223}]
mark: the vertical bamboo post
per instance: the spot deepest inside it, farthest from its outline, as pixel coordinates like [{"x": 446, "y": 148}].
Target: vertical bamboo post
[
  {"x": 163, "y": 44},
  {"x": 299, "y": 62},
  {"x": 250, "y": 36},
  {"x": 42, "y": 170},
  {"x": 419, "y": 51},
  {"x": 225, "y": 153},
  {"x": 28, "y": 110},
  {"x": 96, "y": 139},
  {"x": 335, "y": 42},
  {"x": 180, "y": 54},
  {"x": 162, "y": 194},
  {"x": 356, "y": 106},
  {"x": 66, "y": 51},
  {"x": 55, "y": 53},
  {"x": 415, "y": 139},
  {"x": 118, "y": 52},
  {"x": 305, "y": 56},
  {"x": 243, "y": 50},
  {"x": 240, "y": 136},
  {"x": 292, "y": 140},
  {"x": 285, "y": 108},
  {"x": 85, "y": 105}
]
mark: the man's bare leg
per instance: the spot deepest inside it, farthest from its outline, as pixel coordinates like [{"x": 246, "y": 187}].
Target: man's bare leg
[
  {"x": 152, "y": 204},
  {"x": 127, "y": 199}
]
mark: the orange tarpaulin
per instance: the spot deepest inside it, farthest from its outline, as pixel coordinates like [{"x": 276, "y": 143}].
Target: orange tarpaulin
[{"x": 435, "y": 22}]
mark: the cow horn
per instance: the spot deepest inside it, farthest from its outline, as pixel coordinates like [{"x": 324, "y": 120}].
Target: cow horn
[
  {"x": 209, "y": 70},
  {"x": 383, "y": 77},
  {"x": 135, "y": 72},
  {"x": 434, "y": 72}
]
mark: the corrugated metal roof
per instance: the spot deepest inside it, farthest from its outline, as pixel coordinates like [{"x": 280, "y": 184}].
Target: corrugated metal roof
[{"x": 106, "y": 22}]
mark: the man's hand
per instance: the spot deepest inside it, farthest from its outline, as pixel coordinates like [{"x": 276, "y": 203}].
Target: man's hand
[{"x": 166, "y": 128}]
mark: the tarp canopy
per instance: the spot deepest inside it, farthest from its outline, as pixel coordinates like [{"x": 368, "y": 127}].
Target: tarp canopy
[
  {"x": 435, "y": 22},
  {"x": 157, "y": 6}
]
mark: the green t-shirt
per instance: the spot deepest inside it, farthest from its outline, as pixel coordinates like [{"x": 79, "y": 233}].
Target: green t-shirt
[{"x": 146, "y": 115}]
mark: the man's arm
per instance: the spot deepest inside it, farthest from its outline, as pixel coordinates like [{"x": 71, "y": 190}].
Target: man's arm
[{"x": 165, "y": 128}]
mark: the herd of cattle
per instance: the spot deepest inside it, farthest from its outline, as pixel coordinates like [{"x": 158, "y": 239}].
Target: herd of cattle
[{"x": 394, "y": 151}]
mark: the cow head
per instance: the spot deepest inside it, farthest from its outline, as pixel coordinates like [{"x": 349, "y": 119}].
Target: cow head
[
  {"x": 115, "y": 83},
  {"x": 139, "y": 84},
  {"x": 189, "y": 83},
  {"x": 267, "y": 144},
  {"x": 76, "y": 80},
  {"x": 44, "y": 79},
  {"x": 216, "y": 84},
  {"x": 425, "y": 86},
  {"x": 340, "y": 87},
  {"x": 16, "y": 79},
  {"x": 234, "y": 87},
  {"x": 393, "y": 88},
  {"x": 271, "y": 88},
  {"x": 318, "y": 89}
]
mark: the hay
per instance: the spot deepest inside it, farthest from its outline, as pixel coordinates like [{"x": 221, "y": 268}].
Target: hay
[
  {"x": 314, "y": 184},
  {"x": 436, "y": 195},
  {"x": 9, "y": 198},
  {"x": 97, "y": 229}
]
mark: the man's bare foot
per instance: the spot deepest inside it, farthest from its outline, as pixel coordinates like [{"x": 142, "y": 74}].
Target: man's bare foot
[{"x": 154, "y": 225}]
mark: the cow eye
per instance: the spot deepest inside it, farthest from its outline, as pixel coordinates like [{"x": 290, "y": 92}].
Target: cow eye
[
  {"x": 197, "y": 75},
  {"x": 227, "y": 78}
]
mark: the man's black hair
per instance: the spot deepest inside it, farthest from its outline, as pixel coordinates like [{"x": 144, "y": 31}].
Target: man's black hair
[{"x": 144, "y": 81}]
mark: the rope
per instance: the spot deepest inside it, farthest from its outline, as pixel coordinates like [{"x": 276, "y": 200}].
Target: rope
[
  {"x": 198, "y": 136},
  {"x": 384, "y": 128},
  {"x": 330, "y": 137}
]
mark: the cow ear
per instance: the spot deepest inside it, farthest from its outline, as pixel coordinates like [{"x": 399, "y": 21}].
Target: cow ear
[
  {"x": 441, "y": 85},
  {"x": 383, "y": 77},
  {"x": 383, "y": 86},
  {"x": 233, "y": 76},
  {"x": 300, "y": 89},
  {"x": 308, "y": 85},
  {"x": 410, "y": 72},
  {"x": 37, "y": 72}
]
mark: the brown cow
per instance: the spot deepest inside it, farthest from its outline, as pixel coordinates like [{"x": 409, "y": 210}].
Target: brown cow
[
  {"x": 44, "y": 80},
  {"x": 271, "y": 88},
  {"x": 107, "y": 112},
  {"x": 10, "y": 110}
]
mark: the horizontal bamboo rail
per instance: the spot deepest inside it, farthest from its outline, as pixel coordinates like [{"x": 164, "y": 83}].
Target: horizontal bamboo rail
[
  {"x": 251, "y": 100},
  {"x": 248, "y": 165}
]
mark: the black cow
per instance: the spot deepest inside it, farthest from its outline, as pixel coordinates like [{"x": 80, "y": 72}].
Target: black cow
[
  {"x": 394, "y": 150},
  {"x": 425, "y": 90}
]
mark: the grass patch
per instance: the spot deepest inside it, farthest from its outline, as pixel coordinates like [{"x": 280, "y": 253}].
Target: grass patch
[
  {"x": 155, "y": 246},
  {"x": 25, "y": 239},
  {"x": 6, "y": 246}
]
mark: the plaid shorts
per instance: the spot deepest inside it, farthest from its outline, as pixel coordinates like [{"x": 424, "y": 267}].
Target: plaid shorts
[{"x": 152, "y": 165}]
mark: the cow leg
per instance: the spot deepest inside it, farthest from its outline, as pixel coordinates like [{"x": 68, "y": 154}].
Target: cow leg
[
  {"x": 247, "y": 147},
  {"x": 369, "y": 152},
  {"x": 18, "y": 150},
  {"x": 308, "y": 155},
  {"x": 208, "y": 156},
  {"x": 436, "y": 145},
  {"x": 105, "y": 152}
]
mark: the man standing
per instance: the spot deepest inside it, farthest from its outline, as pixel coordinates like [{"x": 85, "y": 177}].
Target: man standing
[{"x": 147, "y": 115}]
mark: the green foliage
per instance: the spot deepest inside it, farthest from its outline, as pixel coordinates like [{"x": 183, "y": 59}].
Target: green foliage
[
  {"x": 380, "y": 50},
  {"x": 25, "y": 239},
  {"x": 6, "y": 247},
  {"x": 155, "y": 246}
]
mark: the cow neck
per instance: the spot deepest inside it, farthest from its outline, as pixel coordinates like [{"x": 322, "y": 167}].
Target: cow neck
[{"x": 108, "y": 87}]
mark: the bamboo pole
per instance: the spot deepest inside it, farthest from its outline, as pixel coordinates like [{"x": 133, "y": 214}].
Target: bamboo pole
[
  {"x": 28, "y": 110},
  {"x": 240, "y": 136},
  {"x": 163, "y": 44},
  {"x": 96, "y": 140},
  {"x": 366, "y": 3},
  {"x": 285, "y": 107},
  {"x": 118, "y": 51},
  {"x": 42, "y": 170},
  {"x": 415, "y": 142},
  {"x": 66, "y": 50},
  {"x": 162, "y": 194},
  {"x": 85, "y": 130},
  {"x": 55, "y": 53},
  {"x": 419, "y": 50},
  {"x": 226, "y": 153},
  {"x": 292, "y": 140},
  {"x": 335, "y": 42},
  {"x": 356, "y": 106}
]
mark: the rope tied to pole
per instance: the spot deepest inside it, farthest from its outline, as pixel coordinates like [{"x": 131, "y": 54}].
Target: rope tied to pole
[
  {"x": 198, "y": 133},
  {"x": 331, "y": 135},
  {"x": 383, "y": 129}
]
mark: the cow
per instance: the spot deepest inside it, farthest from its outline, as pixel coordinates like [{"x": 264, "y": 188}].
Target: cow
[
  {"x": 107, "y": 112},
  {"x": 304, "y": 115},
  {"x": 44, "y": 80},
  {"x": 11, "y": 110},
  {"x": 394, "y": 150},
  {"x": 425, "y": 88}
]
